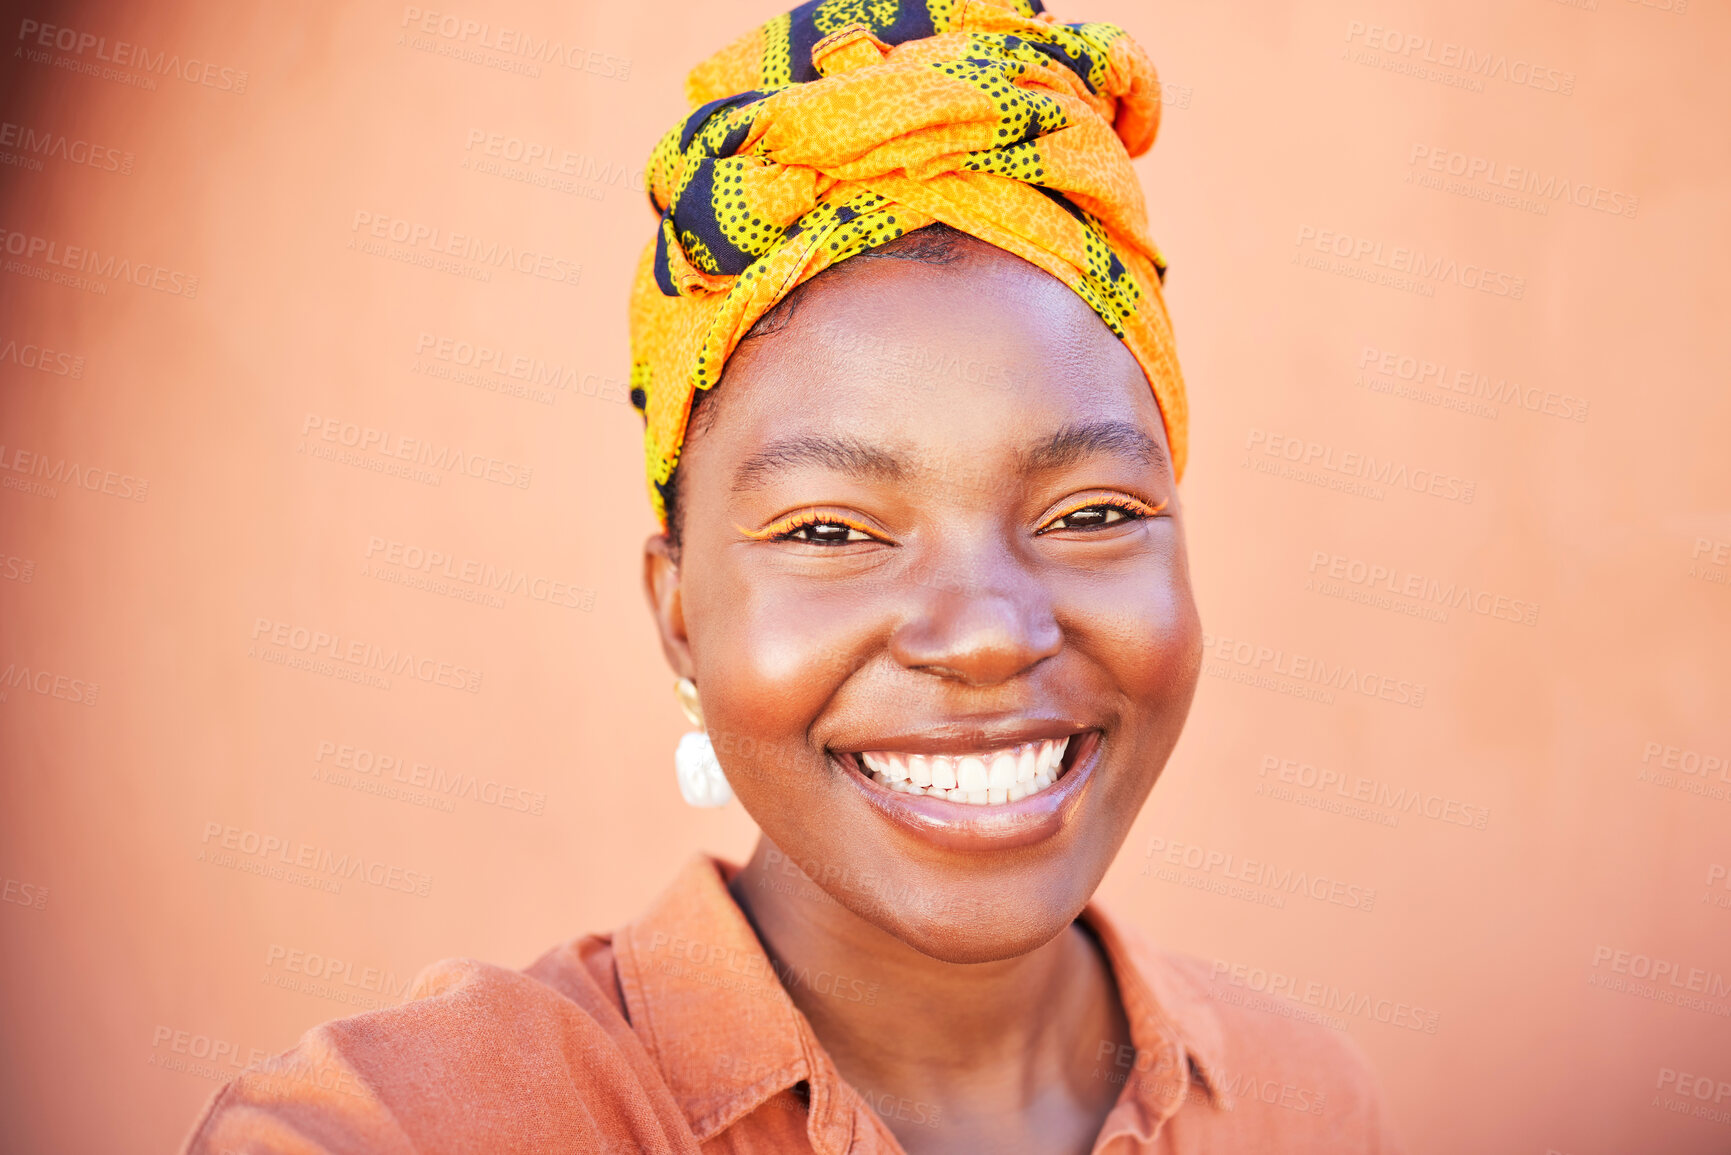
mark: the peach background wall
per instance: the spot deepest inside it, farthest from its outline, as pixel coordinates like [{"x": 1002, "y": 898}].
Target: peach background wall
[{"x": 1506, "y": 288}]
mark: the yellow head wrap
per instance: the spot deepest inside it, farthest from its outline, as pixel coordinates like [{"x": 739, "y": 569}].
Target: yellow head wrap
[{"x": 846, "y": 123}]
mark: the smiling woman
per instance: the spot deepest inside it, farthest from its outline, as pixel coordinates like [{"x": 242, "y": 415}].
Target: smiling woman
[
  {"x": 911, "y": 579},
  {"x": 915, "y": 430}
]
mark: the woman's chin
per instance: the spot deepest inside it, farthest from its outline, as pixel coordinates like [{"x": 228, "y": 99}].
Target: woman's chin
[{"x": 971, "y": 930}]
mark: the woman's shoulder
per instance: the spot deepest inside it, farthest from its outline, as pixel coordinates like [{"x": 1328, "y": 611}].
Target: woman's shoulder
[
  {"x": 1284, "y": 1067},
  {"x": 1271, "y": 1068},
  {"x": 451, "y": 1069}
]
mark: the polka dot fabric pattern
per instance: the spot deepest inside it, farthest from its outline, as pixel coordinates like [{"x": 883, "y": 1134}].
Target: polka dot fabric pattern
[{"x": 847, "y": 123}]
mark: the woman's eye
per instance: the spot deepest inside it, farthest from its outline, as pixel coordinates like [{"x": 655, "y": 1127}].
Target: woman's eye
[
  {"x": 1093, "y": 517},
  {"x": 825, "y": 533}
]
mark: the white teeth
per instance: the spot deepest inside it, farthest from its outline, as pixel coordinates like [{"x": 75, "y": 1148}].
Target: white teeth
[
  {"x": 890, "y": 766},
  {"x": 992, "y": 778}
]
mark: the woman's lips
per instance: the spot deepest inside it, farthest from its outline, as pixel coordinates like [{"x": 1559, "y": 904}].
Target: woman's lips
[{"x": 1065, "y": 764}]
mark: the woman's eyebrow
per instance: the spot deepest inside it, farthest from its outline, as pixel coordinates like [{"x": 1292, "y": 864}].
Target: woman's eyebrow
[
  {"x": 859, "y": 459},
  {"x": 1074, "y": 442},
  {"x": 842, "y": 454}
]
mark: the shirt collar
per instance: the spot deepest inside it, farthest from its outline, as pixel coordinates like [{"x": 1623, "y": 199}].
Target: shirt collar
[
  {"x": 1175, "y": 1035},
  {"x": 705, "y": 1000}
]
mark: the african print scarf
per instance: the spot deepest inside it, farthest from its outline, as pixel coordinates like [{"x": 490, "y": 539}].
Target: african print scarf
[{"x": 847, "y": 123}]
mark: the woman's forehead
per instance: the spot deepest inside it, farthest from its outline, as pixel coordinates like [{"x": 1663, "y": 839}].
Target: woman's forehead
[
  {"x": 975, "y": 288},
  {"x": 928, "y": 351}
]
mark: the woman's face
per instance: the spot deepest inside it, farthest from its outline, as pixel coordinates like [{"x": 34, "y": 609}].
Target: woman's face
[{"x": 933, "y": 530}]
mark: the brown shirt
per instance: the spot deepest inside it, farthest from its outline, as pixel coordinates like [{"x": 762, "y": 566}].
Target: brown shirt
[{"x": 674, "y": 1034}]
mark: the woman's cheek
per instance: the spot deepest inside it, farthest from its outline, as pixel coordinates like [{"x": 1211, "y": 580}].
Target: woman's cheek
[
  {"x": 771, "y": 656},
  {"x": 1143, "y": 626}
]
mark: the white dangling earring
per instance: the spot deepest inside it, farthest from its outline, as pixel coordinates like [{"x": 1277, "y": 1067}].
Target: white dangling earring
[{"x": 701, "y": 780}]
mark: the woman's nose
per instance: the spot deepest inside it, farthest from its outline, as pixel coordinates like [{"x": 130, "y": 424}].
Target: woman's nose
[{"x": 981, "y": 631}]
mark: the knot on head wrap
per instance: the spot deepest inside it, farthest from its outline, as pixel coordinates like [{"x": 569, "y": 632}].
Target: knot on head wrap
[{"x": 847, "y": 123}]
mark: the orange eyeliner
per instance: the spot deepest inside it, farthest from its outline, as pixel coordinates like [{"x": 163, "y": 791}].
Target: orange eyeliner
[
  {"x": 795, "y": 521},
  {"x": 1127, "y": 504}
]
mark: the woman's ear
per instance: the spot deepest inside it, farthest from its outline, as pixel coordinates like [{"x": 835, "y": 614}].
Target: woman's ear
[{"x": 661, "y": 586}]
